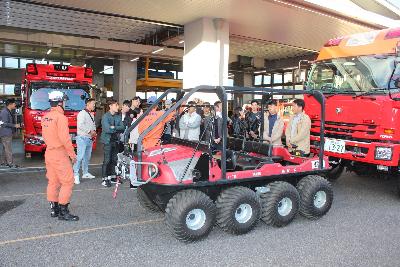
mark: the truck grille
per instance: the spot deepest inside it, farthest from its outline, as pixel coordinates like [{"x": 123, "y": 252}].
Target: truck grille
[{"x": 345, "y": 131}]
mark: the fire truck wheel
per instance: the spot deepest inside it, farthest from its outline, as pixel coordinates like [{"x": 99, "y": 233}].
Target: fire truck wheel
[
  {"x": 316, "y": 196},
  {"x": 280, "y": 204},
  {"x": 145, "y": 201},
  {"x": 335, "y": 172},
  {"x": 190, "y": 215},
  {"x": 238, "y": 210}
]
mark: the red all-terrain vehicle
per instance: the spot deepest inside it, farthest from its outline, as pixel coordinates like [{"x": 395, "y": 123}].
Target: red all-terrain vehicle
[{"x": 236, "y": 187}]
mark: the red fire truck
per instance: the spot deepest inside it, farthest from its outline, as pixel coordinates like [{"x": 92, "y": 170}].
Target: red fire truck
[
  {"x": 38, "y": 81},
  {"x": 360, "y": 78}
]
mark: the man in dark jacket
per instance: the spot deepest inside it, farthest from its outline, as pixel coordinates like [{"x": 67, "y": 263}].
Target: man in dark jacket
[
  {"x": 217, "y": 127},
  {"x": 253, "y": 121},
  {"x": 238, "y": 123},
  {"x": 7, "y": 127},
  {"x": 112, "y": 126}
]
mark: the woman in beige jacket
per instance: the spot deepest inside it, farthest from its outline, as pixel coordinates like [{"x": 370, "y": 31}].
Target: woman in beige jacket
[{"x": 298, "y": 129}]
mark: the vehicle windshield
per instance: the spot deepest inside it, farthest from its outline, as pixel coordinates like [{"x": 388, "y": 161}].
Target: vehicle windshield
[
  {"x": 39, "y": 95},
  {"x": 365, "y": 74}
]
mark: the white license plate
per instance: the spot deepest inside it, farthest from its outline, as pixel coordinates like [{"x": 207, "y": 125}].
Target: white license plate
[{"x": 335, "y": 146}]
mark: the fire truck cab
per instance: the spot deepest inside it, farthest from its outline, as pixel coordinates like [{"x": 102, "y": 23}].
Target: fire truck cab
[
  {"x": 360, "y": 78},
  {"x": 38, "y": 81}
]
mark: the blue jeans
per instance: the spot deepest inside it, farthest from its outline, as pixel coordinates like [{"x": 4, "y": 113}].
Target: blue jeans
[{"x": 84, "y": 153}]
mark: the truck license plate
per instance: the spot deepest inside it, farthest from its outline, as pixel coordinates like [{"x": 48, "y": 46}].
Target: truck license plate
[{"x": 335, "y": 146}]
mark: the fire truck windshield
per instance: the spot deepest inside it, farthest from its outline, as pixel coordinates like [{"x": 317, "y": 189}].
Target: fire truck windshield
[
  {"x": 39, "y": 95},
  {"x": 359, "y": 74}
]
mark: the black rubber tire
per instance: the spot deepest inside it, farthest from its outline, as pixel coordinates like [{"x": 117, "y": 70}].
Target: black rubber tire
[
  {"x": 308, "y": 187},
  {"x": 145, "y": 201},
  {"x": 335, "y": 172},
  {"x": 270, "y": 203},
  {"x": 179, "y": 207},
  {"x": 227, "y": 204}
]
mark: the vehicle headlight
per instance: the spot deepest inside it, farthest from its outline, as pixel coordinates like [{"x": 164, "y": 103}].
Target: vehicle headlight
[
  {"x": 153, "y": 171},
  {"x": 383, "y": 153}
]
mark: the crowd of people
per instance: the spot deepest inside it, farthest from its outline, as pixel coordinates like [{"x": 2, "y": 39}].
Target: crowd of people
[{"x": 193, "y": 121}]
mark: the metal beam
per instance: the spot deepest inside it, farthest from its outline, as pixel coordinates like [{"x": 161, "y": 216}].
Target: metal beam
[
  {"x": 278, "y": 64},
  {"x": 14, "y": 36}
]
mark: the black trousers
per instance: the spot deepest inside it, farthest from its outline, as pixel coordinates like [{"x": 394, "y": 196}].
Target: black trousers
[{"x": 110, "y": 158}]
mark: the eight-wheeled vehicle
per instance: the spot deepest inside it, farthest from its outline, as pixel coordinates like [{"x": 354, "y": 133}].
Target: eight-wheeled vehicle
[{"x": 235, "y": 187}]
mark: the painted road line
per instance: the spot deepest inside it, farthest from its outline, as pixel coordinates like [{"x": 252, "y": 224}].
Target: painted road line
[
  {"x": 81, "y": 231},
  {"x": 44, "y": 193}
]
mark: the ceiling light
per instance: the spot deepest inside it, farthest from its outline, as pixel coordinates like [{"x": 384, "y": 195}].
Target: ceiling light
[
  {"x": 84, "y": 65},
  {"x": 181, "y": 41},
  {"x": 158, "y": 50},
  {"x": 135, "y": 59},
  {"x": 48, "y": 51},
  {"x": 43, "y": 59}
]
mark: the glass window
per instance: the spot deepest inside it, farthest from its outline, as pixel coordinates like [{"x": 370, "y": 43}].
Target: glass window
[
  {"x": 39, "y": 95},
  {"x": 267, "y": 79},
  {"x": 40, "y": 61},
  {"x": 110, "y": 93},
  {"x": 151, "y": 94},
  {"x": 258, "y": 79},
  {"x": 66, "y": 63},
  {"x": 11, "y": 62},
  {"x": 303, "y": 75},
  {"x": 298, "y": 87},
  {"x": 1, "y": 89},
  {"x": 108, "y": 69},
  {"x": 288, "y": 77},
  {"x": 24, "y": 61},
  {"x": 1, "y": 62},
  {"x": 142, "y": 95},
  {"x": 9, "y": 89},
  {"x": 230, "y": 82},
  {"x": 277, "y": 78},
  {"x": 54, "y": 62},
  {"x": 180, "y": 75}
]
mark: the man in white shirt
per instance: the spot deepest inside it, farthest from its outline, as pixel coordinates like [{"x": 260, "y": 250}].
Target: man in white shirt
[
  {"x": 84, "y": 140},
  {"x": 189, "y": 124}
]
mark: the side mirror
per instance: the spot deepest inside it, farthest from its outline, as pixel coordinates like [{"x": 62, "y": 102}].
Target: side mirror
[{"x": 17, "y": 89}]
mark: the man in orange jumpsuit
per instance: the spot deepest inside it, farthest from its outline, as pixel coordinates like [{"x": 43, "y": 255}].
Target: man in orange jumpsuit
[
  {"x": 58, "y": 157},
  {"x": 152, "y": 139}
]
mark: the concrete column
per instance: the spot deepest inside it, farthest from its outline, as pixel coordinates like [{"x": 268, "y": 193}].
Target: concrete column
[
  {"x": 125, "y": 76},
  {"x": 205, "y": 61},
  {"x": 97, "y": 65},
  {"x": 244, "y": 80}
]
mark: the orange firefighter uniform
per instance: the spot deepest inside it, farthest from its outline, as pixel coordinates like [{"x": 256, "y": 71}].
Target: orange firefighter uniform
[
  {"x": 153, "y": 137},
  {"x": 58, "y": 156}
]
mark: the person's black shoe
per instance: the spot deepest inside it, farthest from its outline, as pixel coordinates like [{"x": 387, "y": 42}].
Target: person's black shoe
[
  {"x": 131, "y": 186},
  {"x": 106, "y": 183},
  {"x": 55, "y": 209},
  {"x": 114, "y": 181},
  {"x": 64, "y": 214},
  {"x": 12, "y": 166}
]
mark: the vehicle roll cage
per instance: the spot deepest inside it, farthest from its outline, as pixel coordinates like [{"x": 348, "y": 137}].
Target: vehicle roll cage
[{"x": 221, "y": 91}]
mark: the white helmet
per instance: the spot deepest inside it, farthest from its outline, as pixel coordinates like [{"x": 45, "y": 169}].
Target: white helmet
[{"x": 57, "y": 96}]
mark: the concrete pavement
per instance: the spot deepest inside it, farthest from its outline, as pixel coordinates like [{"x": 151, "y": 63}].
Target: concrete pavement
[{"x": 360, "y": 230}]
